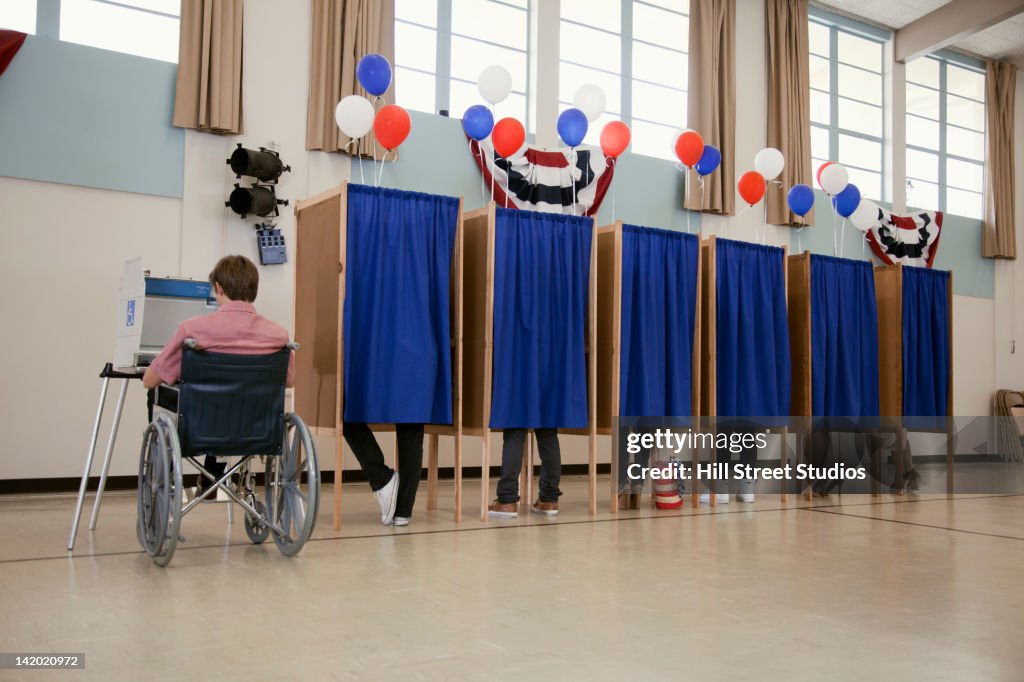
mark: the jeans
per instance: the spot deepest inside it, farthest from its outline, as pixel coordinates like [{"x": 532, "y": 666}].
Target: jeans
[
  {"x": 512, "y": 464},
  {"x": 410, "y": 460}
]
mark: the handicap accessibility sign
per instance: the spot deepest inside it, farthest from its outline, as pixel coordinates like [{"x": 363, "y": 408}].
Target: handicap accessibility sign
[{"x": 130, "y": 320}]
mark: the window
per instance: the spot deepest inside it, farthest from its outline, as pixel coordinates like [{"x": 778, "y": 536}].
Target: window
[
  {"x": 146, "y": 28},
  {"x": 946, "y": 134},
  {"x": 442, "y": 45},
  {"x": 847, "y": 99},
  {"x": 18, "y": 15},
  {"x": 645, "y": 83}
]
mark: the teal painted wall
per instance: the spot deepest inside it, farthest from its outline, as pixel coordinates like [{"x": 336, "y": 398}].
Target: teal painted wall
[{"x": 82, "y": 116}]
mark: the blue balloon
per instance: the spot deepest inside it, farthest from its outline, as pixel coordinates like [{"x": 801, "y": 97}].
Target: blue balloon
[
  {"x": 846, "y": 202},
  {"x": 478, "y": 122},
  {"x": 709, "y": 160},
  {"x": 374, "y": 74},
  {"x": 572, "y": 127},
  {"x": 800, "y": 199}
]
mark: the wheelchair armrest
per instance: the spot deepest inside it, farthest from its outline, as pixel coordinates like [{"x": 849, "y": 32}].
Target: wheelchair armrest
[
  {"x": 191, "y": 343},
  {"x": 292, "y": 345}
]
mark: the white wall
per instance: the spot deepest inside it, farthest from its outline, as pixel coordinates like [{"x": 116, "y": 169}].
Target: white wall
[{"x": 65, "y": 246}]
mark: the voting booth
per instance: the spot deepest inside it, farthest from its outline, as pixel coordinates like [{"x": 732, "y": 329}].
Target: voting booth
[
  {"x": 529, "y": 342},
  {"x": 378, "y": 314},
  {"x": 745, "y": 363},
  {"x": 648, "y": 330}
]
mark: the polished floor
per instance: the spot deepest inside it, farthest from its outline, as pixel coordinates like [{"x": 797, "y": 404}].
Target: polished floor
[{"x": 852, "y": 588}]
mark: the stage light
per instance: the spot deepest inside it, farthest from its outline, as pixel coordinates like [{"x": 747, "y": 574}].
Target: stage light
[
  {"x": 265, "y": 165},
  {"x": 258, "y": 200}
]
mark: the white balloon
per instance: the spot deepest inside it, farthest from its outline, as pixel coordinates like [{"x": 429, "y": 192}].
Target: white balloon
[
  {"x": 494, "y": 83},
  {"x": 769, "y": 163},
  {"x": 866, "y": 215},
  {"x": 354, "y": 115},
  {"x": 590, "y": 100},
  {"x": 834, "y": 179}
]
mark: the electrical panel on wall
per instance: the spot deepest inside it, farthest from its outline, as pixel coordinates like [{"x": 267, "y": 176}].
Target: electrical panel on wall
[{"x": 260, "y": 198}]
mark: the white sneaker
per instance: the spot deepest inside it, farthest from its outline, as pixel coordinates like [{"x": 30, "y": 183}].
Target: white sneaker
[
  {"x": 386, "y": 498},
  {"x": 400, "y": 521},
  {"x": 746, "y": 492},
  {"x": 720, "y": 498}
]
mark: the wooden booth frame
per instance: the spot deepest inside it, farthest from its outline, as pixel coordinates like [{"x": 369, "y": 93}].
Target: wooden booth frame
[
  {"x": 709, "y": 347},
  {"x": 889, "y": 294},
  {"x": 478, "y": 355},
  {"x": 320, "y": 258},
  {"x": 609, "y": 344}
]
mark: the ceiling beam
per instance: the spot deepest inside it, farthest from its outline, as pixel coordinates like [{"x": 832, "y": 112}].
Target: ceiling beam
[{"x": 951, "y": 22}]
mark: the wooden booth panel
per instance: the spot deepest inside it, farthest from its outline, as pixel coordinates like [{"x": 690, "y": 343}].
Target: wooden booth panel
[
  {"x": 799, "y": 295},
  {"x": 477, "y": 330},
  {"x": 706, "y": 316},
  {"x": 889, "y": 294},
  {"x": 609, "y": 324}
]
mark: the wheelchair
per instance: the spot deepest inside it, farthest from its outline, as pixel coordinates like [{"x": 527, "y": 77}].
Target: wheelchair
[{"x": 230, "y": 406}]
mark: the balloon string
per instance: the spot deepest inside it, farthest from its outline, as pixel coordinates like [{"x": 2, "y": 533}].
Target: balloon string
[
  {"x": 376, "y": 99},
  {"x": 610, "y": 167},
  {"x": 572, "y": 180},
  {"x": 494, "y": 163},
  {"x": 842, "y": 240},
  {"x": 764, "y": 223},
  {"x": 700, "y": 225},
  {"x": 483, "y": 164}
]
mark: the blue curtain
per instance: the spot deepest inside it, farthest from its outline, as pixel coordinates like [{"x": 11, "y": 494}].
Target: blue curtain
[
  {"x": 844, "y": 330},
  {"x": 659, "y": 298},
  {"x": 753, "y": 332},
  {"x": 925, "y": 342},
  {"x": 541, "y": 283},
  {"x": 397, "y": 334}
]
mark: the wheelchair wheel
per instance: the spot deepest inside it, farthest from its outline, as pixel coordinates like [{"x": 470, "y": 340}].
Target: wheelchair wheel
[
  {"x": 159, "y": 490},
  {"x": 293, "y": 487},
  {"x": 256, "y": 530}
]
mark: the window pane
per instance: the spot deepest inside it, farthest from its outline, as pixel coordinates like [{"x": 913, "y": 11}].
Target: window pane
[
  {"x": 419, "y": 11},
  {"x": 922, "y": 165},
  {"x": 490, "y": 21},
  {"x": 923, "y": 71},
  {"x": 965, "y": 113},
  {"x": 821, "y": 107},
  {"x": 606, "y": 15},
  {"x": 121, "y": 29},
  {"x": 681, "y": 6},
  {"x": 463, "y": 94},
  {"x": 658, "y": 65},
  {"x": 861, "y": 52},
  {"x": 965, "y": 82},
  {"x": 590, "y": 47},
  {"x": 923, "y": 132},
  {"x": 964, "y": 175},
  {"x": 860, "y": 85},
  {"x": 415, "y": 46},
  {"x": 18, "y": 15},
  {"x": 571, "y": 77},
  {"x": 469, "y": 57},
  {"x": 858, "y": 152},
  {"x": 162, "y": 6},
  {"x": 652, "y": 139},
  {"x": 922, "y": 102},
  {"x": 819, "y": 38},
  {"x": 415, "y": 90},
  {"x": 967, "y": 204},
  {"x": 819, "y": 143},
  {"x": 869, "y": 184},
  {"x": 819, "y": 74},
  {"x": 655, "y": 103},
  {"x": 965, "y": 143},
  {"x": 658, "y": 26},
  {"x": 861, "y": 118},
  {"x": 923, "y": 195}
]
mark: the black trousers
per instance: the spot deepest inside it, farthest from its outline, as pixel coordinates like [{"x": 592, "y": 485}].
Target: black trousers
[
  {"x": 512, "y": 464},
  {"x": 410, "y": 460}
]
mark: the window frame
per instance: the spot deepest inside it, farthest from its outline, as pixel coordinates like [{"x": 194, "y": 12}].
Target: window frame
[{"x": 944, "y": 58}]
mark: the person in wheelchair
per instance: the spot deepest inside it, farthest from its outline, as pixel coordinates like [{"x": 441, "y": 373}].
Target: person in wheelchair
[{"x": 235, "y": 327}]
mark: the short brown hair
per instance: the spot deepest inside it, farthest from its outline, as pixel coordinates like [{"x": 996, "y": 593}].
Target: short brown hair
[{"x": 238, "y": 277}]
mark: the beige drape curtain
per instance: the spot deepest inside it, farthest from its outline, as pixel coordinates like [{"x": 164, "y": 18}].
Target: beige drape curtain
[
  {"x": 998, "y": 239},
  {"x": 711, "y": 104},
  {"x": 343, "y": 32},
  {"x": 789, "y": 103},
  {"x": 208, "y": 92}
]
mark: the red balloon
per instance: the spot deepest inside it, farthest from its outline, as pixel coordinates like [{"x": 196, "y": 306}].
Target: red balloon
[
  {"x": 821, "y": 168},
  {"x": 614, "y": 139},
  {"x": 508, "y": 136},
  {"x": 391, "y": 126},
  {"x": 689, "y": 148},
  {"x": 751, "y": 187}
]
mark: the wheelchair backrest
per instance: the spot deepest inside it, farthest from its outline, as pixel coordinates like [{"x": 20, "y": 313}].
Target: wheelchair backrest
[{"x": 231, "y": 404}]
